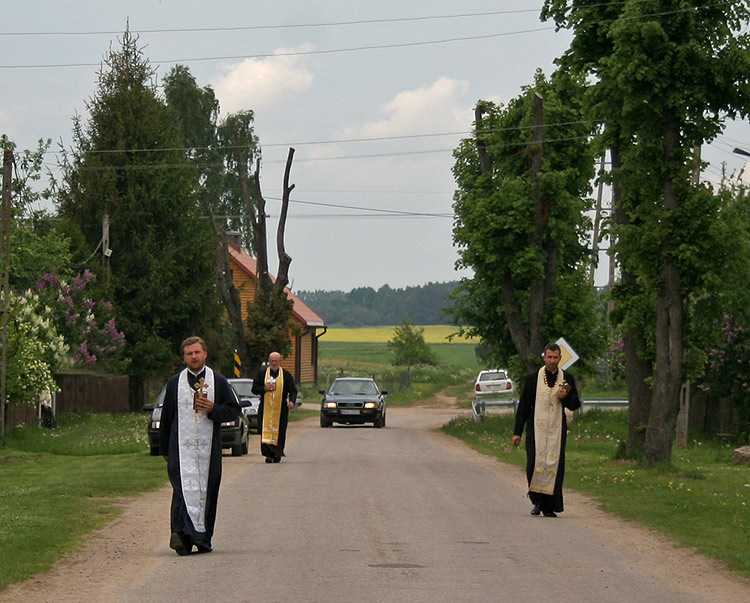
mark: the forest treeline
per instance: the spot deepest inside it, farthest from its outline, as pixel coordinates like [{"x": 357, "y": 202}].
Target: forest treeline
[{"x": 365, "y": 306}]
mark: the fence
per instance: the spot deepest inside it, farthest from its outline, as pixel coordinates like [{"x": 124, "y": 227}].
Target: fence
[{"x": 78, "y": 393}]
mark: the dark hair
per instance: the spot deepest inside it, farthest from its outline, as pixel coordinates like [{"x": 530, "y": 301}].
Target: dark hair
[
  {"x": 191, "y": 341},
  {"x": 551, "y": 347}
]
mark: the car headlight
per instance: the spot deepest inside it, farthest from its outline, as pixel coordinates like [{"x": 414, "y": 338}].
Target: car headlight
[
  {"x": 330, "y": 405},
  {"x": 371, "y": 405},
  {"x": 229, "y": 424},
  {"x": 154, "y": 424}
]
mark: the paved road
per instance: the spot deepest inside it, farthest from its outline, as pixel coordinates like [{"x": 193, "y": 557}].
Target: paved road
[
  {"x": 398, "y": 514},
  {"x": 402, "y": 514}
]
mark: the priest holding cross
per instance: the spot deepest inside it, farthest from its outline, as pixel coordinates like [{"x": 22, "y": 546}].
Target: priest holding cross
[{"x": 197, "y": 401}]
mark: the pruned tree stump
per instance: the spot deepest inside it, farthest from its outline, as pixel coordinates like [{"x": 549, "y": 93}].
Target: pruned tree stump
[{"x": 741, "y": 455}]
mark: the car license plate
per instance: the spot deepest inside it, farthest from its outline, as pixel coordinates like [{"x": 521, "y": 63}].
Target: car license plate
[{"x": 349, "y": 411}]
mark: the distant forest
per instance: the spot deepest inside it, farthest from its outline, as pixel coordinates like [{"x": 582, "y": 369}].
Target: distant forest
[{"x": 364, "y": 306}]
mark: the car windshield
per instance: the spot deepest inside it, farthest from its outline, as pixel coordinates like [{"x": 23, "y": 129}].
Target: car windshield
[
  {"x": 353, "y": 388},
  {"x": 243, "y": 388},
  {"x": 493, "y": 376}
]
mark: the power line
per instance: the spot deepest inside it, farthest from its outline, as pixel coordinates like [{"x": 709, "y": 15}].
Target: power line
[
  {"x": 358, "y": 48},
  {"x": 278, "y": 26}
]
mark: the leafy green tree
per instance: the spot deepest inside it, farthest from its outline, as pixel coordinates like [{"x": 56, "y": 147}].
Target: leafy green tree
[
  {"x": 128, "y": 164},
  {"x": 665, "y": 75},
  {"x": 409, "y": 347},
  {"x": 523, "y": 181}
]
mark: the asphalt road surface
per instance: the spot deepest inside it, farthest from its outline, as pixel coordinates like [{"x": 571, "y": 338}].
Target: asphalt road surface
[{"x": 404, "y": 513}]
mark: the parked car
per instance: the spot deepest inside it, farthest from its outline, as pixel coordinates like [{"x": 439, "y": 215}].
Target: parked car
[
  {"x": 353, "y": 401},
  {"x": 234, "y": 434},
  {"x": 493, "y": 382},
  {"x": 248, "y": 400}
]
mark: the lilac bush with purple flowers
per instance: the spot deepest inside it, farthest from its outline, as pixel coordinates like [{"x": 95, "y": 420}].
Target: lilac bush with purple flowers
[{"x": 88, "y": 325}]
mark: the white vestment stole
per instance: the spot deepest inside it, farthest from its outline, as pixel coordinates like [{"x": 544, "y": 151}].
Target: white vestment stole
[
  {"x": 194, "y": 434},
  {"x": 548, "y": 414}
]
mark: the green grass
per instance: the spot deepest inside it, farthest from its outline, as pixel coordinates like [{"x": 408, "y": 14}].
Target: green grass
[
  {"x": 449, "y": 354},
  {"x": 700, "y": 501},
  {"x": 58, "y": 485}
]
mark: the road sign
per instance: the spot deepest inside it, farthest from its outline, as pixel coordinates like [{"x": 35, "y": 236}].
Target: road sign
[{"x": 567, "y": 354}]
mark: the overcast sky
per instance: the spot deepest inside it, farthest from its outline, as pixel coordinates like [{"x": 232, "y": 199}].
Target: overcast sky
[{"x": 374, "y": 96}]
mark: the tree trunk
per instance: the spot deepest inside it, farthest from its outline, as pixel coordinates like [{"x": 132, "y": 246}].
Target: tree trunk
[
  {"x": 637, "y": 370},
  {"x": 538, "y": 291},
  {"x": 230, "y": 296},
  {"x": 670, "y": 320},
  {"x": 285, "y": 260}
]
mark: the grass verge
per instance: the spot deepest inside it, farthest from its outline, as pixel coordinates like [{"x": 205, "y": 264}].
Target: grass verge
[
  {"x": 58, "y": 485},
  {"x": 702, "y": 500}
]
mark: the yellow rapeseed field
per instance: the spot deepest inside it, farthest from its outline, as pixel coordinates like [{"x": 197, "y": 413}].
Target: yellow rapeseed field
[{"x": 432, "y": 334}]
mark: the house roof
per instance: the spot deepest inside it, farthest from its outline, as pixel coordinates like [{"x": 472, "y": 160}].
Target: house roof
[{"x": 301, "y": 311}]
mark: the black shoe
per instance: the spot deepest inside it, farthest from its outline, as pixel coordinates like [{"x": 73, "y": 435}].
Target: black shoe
[
  {"x": 202, "y": 549},
  {"x": 269, "y": 459},
  {"x": 549, "y": 513},
  {"x": 277, "y": 459},
  {"x": 177, "y": 542},
  {"x": 536, "y": 510}
]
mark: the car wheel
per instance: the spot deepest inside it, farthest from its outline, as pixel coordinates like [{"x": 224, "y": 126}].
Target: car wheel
[
  {"x": 237, "y": 450},
  {"x": 244, "y": 447},
  {"x": 380, "y": 421},
  {"x": 324, "y": 422},
  {"x": 154, "y": 451}
]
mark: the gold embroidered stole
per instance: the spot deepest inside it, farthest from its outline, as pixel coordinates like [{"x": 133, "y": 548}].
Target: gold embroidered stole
[
  {"x": 548, "y": 413},
  {"x": 272, "y": 402}
]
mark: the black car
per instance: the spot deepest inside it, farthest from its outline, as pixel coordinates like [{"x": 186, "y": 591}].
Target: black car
[
  {"x": 248, "y": 400},
  {"x": 354, "y": 401},
  {"x": 234, "y": 434}
]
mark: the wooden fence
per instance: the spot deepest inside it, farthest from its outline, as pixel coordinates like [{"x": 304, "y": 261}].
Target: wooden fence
[{"x": 78, "y": 393}]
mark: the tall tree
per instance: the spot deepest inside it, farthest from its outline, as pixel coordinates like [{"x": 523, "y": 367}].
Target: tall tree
[
  {"x": 520, "y": 225},
  {"x": 666, "y": 75},
  {"x": 127, "y": 164}
]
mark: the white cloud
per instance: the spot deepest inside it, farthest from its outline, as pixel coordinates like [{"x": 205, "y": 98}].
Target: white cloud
[
  {"x": 437, "y": 108},
  {"x": 260, "y": 83}
]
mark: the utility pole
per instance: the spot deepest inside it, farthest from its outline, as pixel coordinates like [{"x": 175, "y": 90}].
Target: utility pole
[
  {"x": 597, "y": 224},
  {"x": 5, "y": 293},
  {"x": 106, "y": 251}
]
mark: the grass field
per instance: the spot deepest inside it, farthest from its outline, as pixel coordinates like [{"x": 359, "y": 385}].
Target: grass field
[{"x": 449, "y": 354}]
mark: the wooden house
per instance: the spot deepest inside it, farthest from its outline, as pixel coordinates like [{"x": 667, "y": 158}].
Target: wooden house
[{"x": 303, "y": 360}]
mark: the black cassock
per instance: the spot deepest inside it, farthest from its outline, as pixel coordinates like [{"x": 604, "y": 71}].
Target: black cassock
[
  {"x": 226, "y": 409},
  {"x": 525, "y": 417},
  {"x": 289, "y": 394}
]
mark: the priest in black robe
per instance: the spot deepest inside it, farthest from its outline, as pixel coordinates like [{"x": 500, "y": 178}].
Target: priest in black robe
[
  {"x": 545, "y": 395},
  {"x": 278, "y": 393},
  {"x": 197, "y": 401}
]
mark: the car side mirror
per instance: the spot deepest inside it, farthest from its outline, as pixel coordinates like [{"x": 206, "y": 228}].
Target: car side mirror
[
  {"x": 148, "y": 407},
  {"x": 383, "y": 392},
  {"x": 322, "y": 391}
]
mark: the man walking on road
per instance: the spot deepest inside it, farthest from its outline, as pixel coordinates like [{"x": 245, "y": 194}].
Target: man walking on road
[
  {"x": 277, "y": 391},
  {"x": 196, "y": 403},
  {"x": 545, "y": 395}
]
